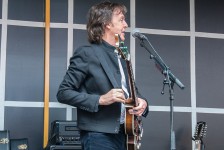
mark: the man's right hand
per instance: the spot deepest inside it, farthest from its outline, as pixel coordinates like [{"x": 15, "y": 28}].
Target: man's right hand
[{"x": 114, "y": 95}]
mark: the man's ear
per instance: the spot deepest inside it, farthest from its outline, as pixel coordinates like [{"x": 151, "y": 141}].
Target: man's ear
[{"x": 108, "y": 26}]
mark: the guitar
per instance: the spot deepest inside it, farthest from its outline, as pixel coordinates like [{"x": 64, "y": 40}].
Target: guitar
[
  {"x": 133, "y": 124},
  {"x": 200, "y": 132}
]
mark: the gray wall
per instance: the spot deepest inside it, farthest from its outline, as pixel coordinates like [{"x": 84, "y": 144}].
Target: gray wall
[{"x": 187, "y": 34}]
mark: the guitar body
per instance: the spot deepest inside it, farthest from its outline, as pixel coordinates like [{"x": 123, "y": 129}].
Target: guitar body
[
  {"x": 133, "y": 124},
  {"x": 133, "y": 130}
]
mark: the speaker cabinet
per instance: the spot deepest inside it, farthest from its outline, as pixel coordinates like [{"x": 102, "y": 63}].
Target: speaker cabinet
[
  {"x": 19, "y": 144},
  {"x": 4, "y": 140},
  {"x": 66, "y": 147}
]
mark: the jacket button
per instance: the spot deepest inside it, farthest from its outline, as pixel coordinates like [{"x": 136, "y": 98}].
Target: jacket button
[{"x": 116, "y": 130}]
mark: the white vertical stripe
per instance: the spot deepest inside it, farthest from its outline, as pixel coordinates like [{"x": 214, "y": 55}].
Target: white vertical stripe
[
  {"x": 132, "y": 40},
  {"x": 3, "y": 62},
  {"x": 192, "y": 67},
  {"x": 70, "y": 30},
  {"x": 70, "y": 46}
]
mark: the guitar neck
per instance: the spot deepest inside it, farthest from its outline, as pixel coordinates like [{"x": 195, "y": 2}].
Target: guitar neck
[
  {"x": 132, "y": 83},
  {"x": 123, "y": 52}
]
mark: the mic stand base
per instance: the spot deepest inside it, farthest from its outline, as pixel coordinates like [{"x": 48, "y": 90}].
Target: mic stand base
[{"x": 172, "y": 132}]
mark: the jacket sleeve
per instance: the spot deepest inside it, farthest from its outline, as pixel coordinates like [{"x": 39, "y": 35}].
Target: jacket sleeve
[
  {"x": 69, "y": 90},
  {"x": 145, "y": 113}
]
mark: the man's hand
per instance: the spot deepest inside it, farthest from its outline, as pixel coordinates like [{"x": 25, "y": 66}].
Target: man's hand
[
  {"x": 138, "y": 111},
  {"x": 114, "y": 95}
]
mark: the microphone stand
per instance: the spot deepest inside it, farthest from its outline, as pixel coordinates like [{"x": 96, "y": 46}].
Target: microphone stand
[{"x": 169, "y": 80}]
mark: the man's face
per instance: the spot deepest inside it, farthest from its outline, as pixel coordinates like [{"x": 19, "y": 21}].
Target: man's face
[{"x": 118, "y": 24}]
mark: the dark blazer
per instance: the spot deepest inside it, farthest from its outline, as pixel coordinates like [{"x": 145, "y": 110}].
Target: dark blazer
[{"x": 93, "y": 71}]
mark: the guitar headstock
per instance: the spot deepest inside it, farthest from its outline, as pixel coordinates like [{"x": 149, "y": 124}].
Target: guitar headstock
[
  {"x": 200, "y": 130},
  {"x": 122, "y": 50}
]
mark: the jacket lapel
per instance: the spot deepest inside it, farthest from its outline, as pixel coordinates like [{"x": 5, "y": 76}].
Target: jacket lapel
[{"x": 105, "y": 66}]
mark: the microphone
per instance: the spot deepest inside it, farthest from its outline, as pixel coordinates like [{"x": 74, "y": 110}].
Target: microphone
[{"x": 137, "y": 34}]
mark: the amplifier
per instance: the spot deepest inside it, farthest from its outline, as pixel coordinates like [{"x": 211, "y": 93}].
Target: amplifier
[
  {"x": 4, "y": 140},
  {"x": 19, "y": 144},
  {"x": 65, "y": 133},
  {"x": 66, "y": 147}
]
